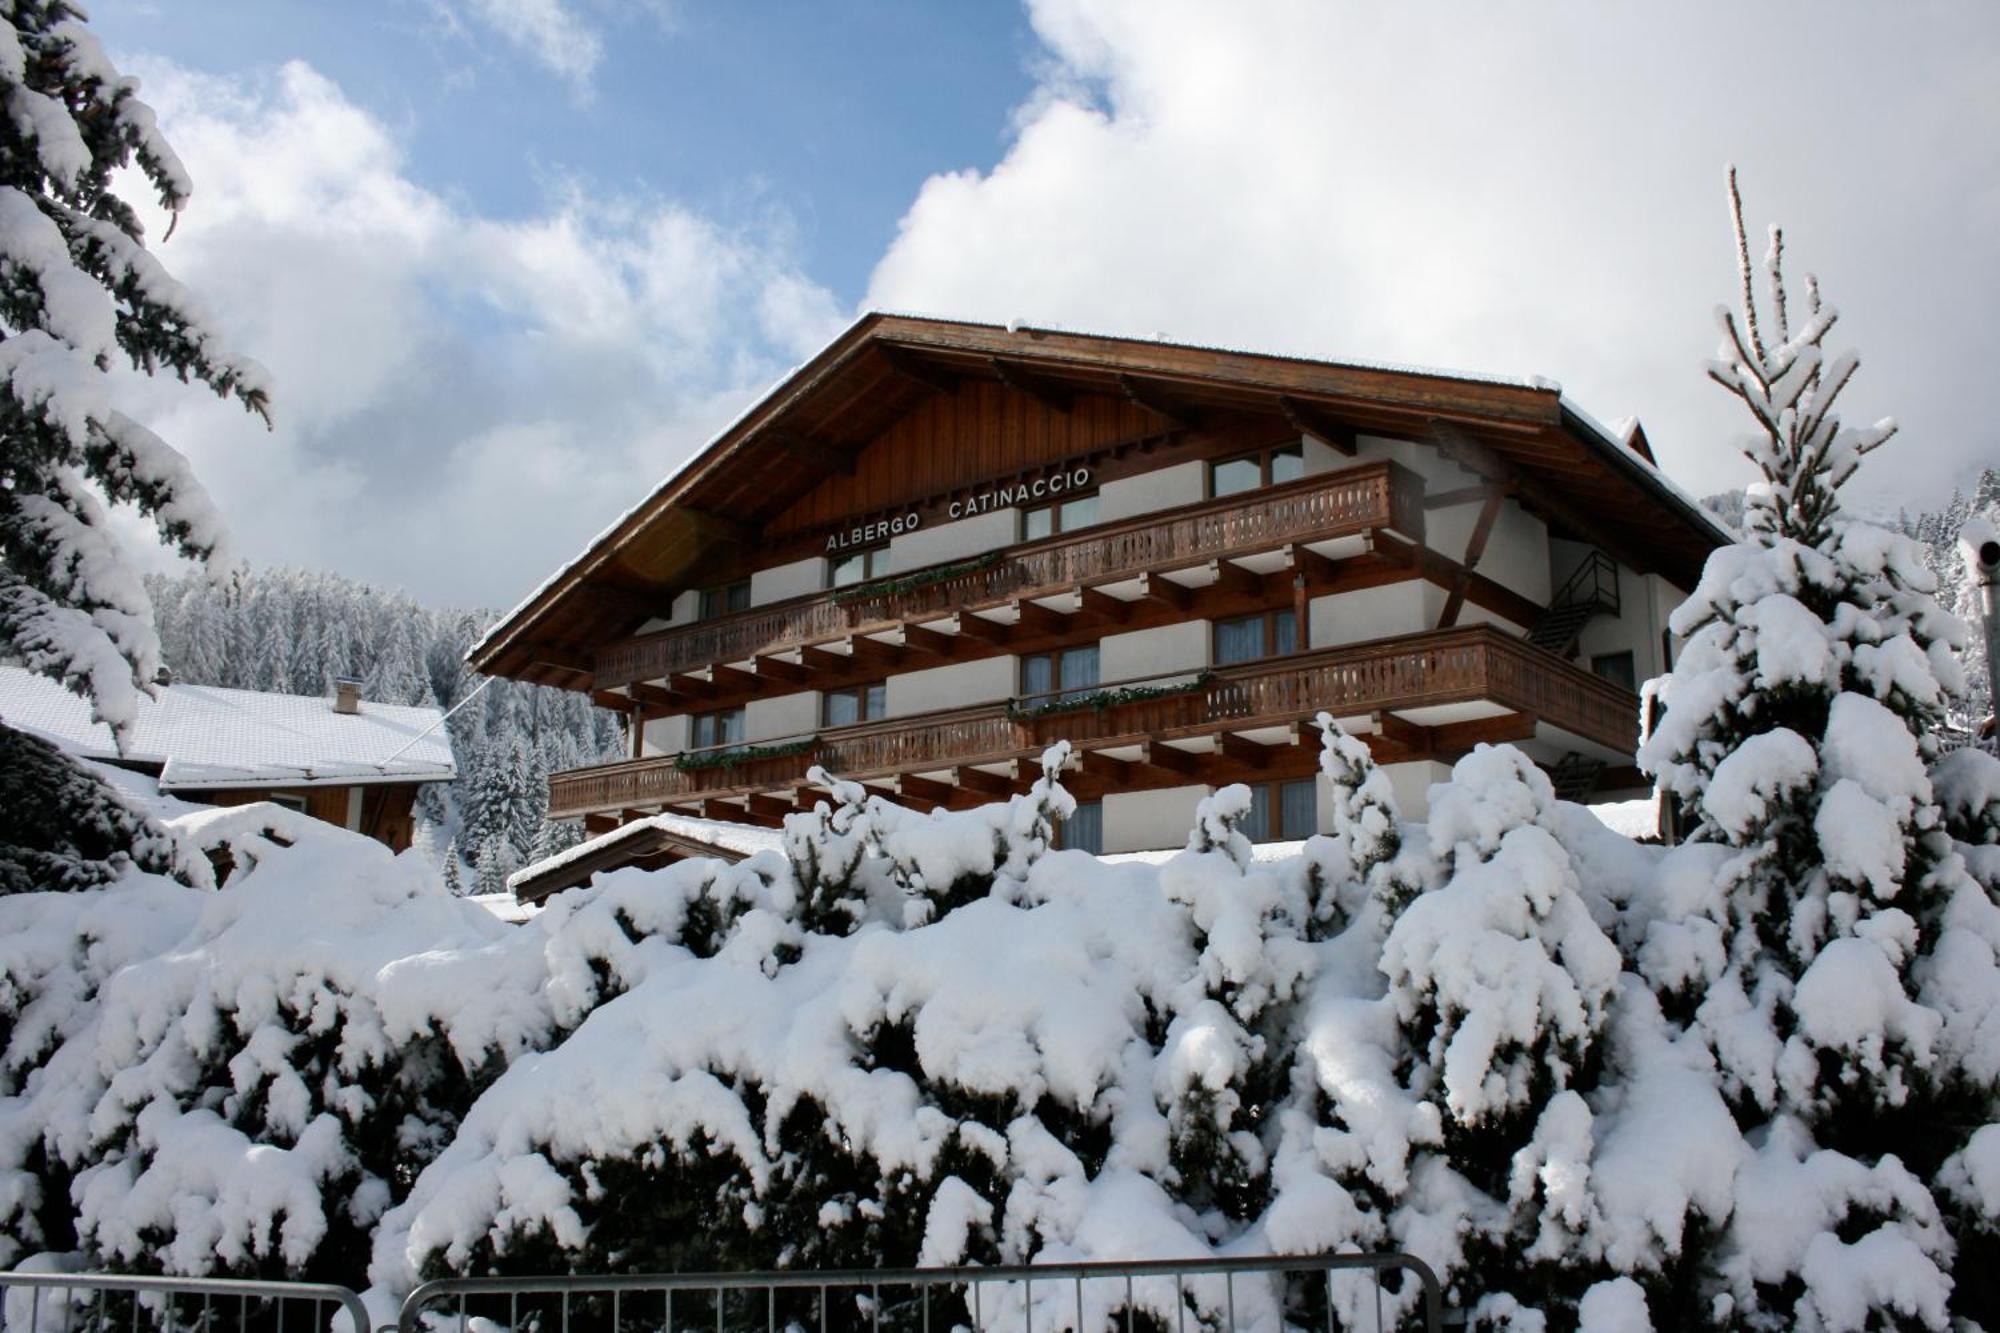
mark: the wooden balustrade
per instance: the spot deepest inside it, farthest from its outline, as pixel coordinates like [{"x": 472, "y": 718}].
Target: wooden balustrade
[
  {"x": 1316, "y": 508},
  {"x": 1460, "y": 665}
]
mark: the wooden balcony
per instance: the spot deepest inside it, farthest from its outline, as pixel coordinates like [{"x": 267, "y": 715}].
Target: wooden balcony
[
  {"x": 1376, "y": 497},
  {"x": 1471, "y": 664}
]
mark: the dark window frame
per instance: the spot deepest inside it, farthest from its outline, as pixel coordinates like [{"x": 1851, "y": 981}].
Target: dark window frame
[
  {"x": 710, "y": 717},
  {"x": 1057, "y": 685},
  {"x": 1629, "y": 680},
  {"x": 1270, "y": 619},
  {"x": 1274, "y": 799},
  {"x": 1263, "y": 458},
  {"x": 1054, "y": 509},
  {"x": 870, "y": 570},
  {"x": 723, "y": 599},
  {"x": 861, "y": 694}
]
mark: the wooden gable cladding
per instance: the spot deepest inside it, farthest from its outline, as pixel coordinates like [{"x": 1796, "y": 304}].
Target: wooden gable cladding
[{"x": 979, "y": 431}]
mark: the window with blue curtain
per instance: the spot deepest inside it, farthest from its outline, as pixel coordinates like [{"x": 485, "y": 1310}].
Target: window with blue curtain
[
  {"x": 1256, "y": 825},
  {"x": 1079, "y": 670},
  {"x": 1298, "y": 809},
  {"x": 1084, "y": 829},
  {"x": 1239, "y": 640}
]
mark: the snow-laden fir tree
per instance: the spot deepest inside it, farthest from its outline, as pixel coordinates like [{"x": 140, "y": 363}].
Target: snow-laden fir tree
[
  {"x": 1836, "y": 975},
  {"x": 79, "y": 293}
]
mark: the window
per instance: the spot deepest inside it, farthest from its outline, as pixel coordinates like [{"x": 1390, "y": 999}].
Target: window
[
  {"x": 710, "y": 730},
  {"x": 290, "y": 802},
  {"x": 1064, "y": 674},
  {"x": 1282, "y": 811},
  {"x": 721, "y": 601},
  {"x": 1266, "y": 467},
  {"x": 1064, "y": 516},
  {"x": 844, "y": 571},
  {"x": 856, "y": 703},
  {"x": 1618, "y": 668},
  {"x": 1083, "y": 831},
  {"x": 1247, "y": 638}
]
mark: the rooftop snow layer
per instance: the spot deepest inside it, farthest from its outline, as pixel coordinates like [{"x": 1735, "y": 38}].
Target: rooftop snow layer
[
  {"x": 747, "y": 839},
  {"x": 204, "y": 736}
]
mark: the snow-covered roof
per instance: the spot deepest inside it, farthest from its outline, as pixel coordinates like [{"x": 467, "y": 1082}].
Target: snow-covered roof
[
  {"x": 737, "y": 840},
  {"x": 205, "y": 737}
]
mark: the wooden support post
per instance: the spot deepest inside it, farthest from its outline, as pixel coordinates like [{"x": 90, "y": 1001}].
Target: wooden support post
[
  {"x": 986, "y": 631},
  {"x": 779, "y": 670},
  {"x": 1475, "y": 547},
  {"x": 652, "y": 696},
  {"x": 1032, "y": 618},
  {"x": 1231, "y": 579},
  {"x": 1157, "y": 588},
  {"x": 926, "y": 789},
  {"x": 1306, "y": 421},
  {"x": 1101, "y": 608},
  {"x": 931, "y": 643},
  {"x": 986, "y": 784},
  {"x": 1242, "y": 750},
  {"x": 874, "y": 653}
]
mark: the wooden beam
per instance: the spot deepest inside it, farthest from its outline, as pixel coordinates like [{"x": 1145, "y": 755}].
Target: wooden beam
[
  {"x": 1024, "y": 381},
  {"x": 1475, "y": 547},
  {"x": 931, "y": 642},
  {"x": 1243, "y": 750},
  {"x": 918, "y": 369},
  {"x": 1149, "y": 397},
  {"x": 1100, "y": 767},
  {"x": 1228, "y": 577},
  {"x": 1459, "y": 445},
  {"x": 1306, "y": 421},
  {"x": 1160, "y": 755},
  {"x": 781, "y": 671},
  {"x": 820, "y": 662},
  {"x": 1101, "y": 608},
  {"x": 652, "y": 696},
  {"x": 874, "y": 653},
  {"x": 1032, "y": 617},
  {"x": 599, "y": 824},
  {"x": 613, "y": 701},
  {"x": 735, "y": 680},
  {"x": 770, "y": 807},
  {"x": 1157, "y": 588},
  {"x": 691, "y": 687},
  {"x": 1318, "y": 569},
  {"x": 1403, "y": 732},
  {"x": 926, "y": 789},
  {"x": 987, "y": 784},
  {"x": 827, "y": 458},
  {"x": 986, "y": 631}
]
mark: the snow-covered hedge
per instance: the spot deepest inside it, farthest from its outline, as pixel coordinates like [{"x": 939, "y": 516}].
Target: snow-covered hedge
[{"x": 931, "y": 1039}]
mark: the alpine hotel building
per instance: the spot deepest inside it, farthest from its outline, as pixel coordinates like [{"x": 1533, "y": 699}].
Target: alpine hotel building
[{"x": 939, "y": 547}]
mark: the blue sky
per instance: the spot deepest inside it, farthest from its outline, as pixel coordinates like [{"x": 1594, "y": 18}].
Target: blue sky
[
  {"x": 827, "y": 116},
  {"x": 511, "y": 262}
]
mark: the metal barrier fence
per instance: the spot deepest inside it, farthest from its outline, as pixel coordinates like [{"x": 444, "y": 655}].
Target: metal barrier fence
[
  {"x": 115, "y": 1303},
  {"x": 1329, "y": 1292}
]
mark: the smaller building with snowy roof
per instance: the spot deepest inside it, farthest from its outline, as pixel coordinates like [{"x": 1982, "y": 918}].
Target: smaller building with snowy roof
[{"x": 349, "y": 762}]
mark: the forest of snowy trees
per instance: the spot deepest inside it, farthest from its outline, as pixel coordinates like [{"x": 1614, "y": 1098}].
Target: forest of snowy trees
[{"x": 294, "y": 631}]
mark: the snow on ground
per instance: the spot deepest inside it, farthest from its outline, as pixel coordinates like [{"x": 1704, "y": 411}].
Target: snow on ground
[{"x": 897, "y": 1037}]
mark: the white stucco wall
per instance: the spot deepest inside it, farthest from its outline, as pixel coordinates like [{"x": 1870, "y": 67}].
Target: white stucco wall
[
  {"x": 1162, "y": 488},
  {"x": 1646, "y": 603},
  {"x": 780, "y": 582},
  {"x": 1411, "y": 784},
  {"x": 786, "y": 716},
  {"x": 1369, "y": 613},
  {"x": 947, "y": 542},
  {"x": 952, "y": 686},
  {"x": 1142, "y": 821},
  {"x": 666, "y": 735},
  {"x": 1153, "y": 652}
]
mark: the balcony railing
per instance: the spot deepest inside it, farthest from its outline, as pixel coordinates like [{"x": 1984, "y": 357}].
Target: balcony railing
[
  {"x": 1474, "y": 663},
  {"x": 1316, "y": 508}
]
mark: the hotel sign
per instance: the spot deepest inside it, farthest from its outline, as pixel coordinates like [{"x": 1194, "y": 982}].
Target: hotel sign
[{"x": 1060, "y": 481}]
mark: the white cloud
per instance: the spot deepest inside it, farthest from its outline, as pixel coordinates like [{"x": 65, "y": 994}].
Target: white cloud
[
  {"x": 548, "y": 32},
  {"x": 462, "y": 401},
  {"x": 1501, "y": 189}
]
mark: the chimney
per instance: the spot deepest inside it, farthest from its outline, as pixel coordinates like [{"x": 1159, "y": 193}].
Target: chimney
[
  {"x": 346, "y": 695},
  {"x": 164, "y": 676}
]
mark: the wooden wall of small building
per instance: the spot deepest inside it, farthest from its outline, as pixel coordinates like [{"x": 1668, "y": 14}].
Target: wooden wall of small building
[{"x": 387, "y": 808}]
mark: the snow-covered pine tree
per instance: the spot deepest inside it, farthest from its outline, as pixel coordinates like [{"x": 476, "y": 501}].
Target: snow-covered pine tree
[
  {"x": 1798, "y": 725},
  {"x": 1501, "y": 983},
  {"x": 78, "y": 293},
  {"x": 63, "y": 828},
  {"x": 453, "y": 869},
  {"x": 1225, "y": 1063},
  {"x": 1365, "y": 824}
]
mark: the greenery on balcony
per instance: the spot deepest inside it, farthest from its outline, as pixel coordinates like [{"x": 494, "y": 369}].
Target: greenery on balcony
[
  {"x": 923, "y": 578},
  {"x": 1100, "y": 700},
  {"x": 696, "y": 761}
]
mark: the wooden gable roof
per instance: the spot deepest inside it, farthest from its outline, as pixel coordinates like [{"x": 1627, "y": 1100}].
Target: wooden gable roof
[{"x": 796, "y": 458}]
